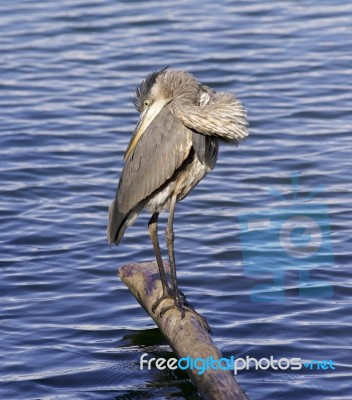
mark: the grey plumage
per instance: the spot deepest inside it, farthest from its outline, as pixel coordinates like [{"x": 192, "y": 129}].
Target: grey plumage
[
  {"x": 155, "y": 159},
  {"x": 174, "y": 146}
]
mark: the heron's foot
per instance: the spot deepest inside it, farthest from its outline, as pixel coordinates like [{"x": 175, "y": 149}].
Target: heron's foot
[
  {"x": 184, "y": 300},
  {"x": 183, "y": 306},
  {"x": 167, "y": 295},
  {"x": 180, "y": 305}
]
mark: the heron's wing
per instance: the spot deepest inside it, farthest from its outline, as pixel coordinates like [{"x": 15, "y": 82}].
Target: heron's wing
[
  {"x": 160, "y": 151},
  {"x": 222, "y": 115},
  {"x": 206, "y": 148},
  {"x": 162, "y": 148}
]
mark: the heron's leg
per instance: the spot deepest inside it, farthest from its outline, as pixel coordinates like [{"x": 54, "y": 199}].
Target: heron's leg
[
  {"x": 153, "y": 232},
  {"x": 170, "y": 239},
  {"x": 180, "y": 301}
]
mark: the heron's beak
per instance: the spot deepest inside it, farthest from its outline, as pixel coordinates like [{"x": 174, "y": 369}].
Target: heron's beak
[{"x": 146, "y": 118}]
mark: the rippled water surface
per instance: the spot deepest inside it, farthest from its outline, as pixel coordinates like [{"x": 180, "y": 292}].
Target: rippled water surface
[{"x": 69, "y": 328}]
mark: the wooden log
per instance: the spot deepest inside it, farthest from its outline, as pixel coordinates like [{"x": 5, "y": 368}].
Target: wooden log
[{"x": 187, "y": 336}]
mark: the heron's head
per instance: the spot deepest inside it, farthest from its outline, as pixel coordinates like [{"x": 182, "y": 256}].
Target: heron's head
[
  {"x": 158, "y": 90},
  {"x": 162, "y": 87}
]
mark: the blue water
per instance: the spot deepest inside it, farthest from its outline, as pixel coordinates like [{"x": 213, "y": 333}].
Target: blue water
[{"x": 69, "y": 327}]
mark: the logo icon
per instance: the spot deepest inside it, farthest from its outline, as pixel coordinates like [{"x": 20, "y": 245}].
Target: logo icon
[{"x": 288, "y": 247}]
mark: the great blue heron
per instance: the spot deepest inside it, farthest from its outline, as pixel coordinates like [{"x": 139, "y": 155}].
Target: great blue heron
[{"x": 174, "y": 145}]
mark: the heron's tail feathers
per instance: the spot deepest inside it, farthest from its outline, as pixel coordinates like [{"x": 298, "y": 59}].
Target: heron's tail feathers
[
  {"x": 222, "y": 115},
  {"x": 117, "y": 224}
]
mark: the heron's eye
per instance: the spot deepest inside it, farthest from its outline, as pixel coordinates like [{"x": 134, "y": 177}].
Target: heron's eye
[{"x": 146, "y": 103}]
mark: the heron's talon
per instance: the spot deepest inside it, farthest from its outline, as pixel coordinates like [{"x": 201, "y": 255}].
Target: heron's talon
[
  {"x": 162, "y": 298},
  {"x": 182, "y": 302},
  {"x": 181, "y": 307}
]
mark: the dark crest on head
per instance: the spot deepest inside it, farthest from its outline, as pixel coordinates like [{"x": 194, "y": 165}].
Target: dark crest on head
[{"x": 142, "y": 91}]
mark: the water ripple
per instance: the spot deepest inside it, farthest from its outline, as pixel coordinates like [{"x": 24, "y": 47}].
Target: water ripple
[{"x": 69, "y": 327}]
